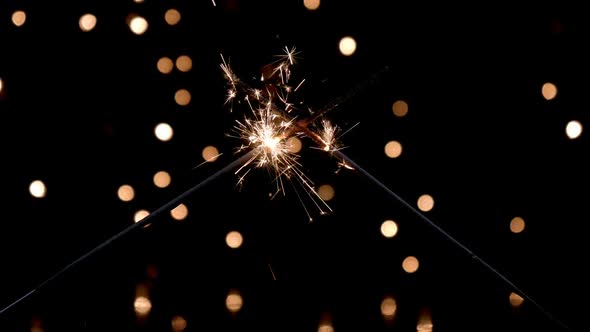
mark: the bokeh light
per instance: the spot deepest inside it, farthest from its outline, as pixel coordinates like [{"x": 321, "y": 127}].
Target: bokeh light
[
  {"x": 326, "y": 192},
  {"x": 184, "y": 63},
  {"x": 517, "y": 225},
  {"x": 424, "y": 321},
  {"x": 549, "y": 91},
  {"x": 37, "y": 189},
  {"x": 425, "y": 203},
  {"x": 126, "y": 193},
  {"x": 234, "y": 301},
  {"x": 1, "y": 85},
  {"x": 172, "y": 16},
  {"x": 178, "y": 324},
  {"x": 180, "y": 212},
  {"x": 311, "y": 4},
  {"x": 573, "y": 129},
  {"x": 142, "y": 305},
  {"x": 234, "y": 239},
  {"x": 294, "y": 144},
  {"x": 400, "y": 108},
  {"x": 19, "y": 17},
  {"x": 515, "y": 300},
  {"x": 210, "y": 153},
  {"x": 162, "y": 179},
  {"x": 139, "y": 215},
  {"x": 165, "y": 65},
  {"x": 347, "y": 46},
  {"x": 163, "y": 132},
  {"x": 137, "y": 24},
  {"x": 87, "y": 22},
  {"x": 410, "y": 264},
  {"x": 182, "y": 97},
  {"x": 393, "y": 149},
  {"x": 388, "y": 308},
  {"x": 389, "y": 228}
]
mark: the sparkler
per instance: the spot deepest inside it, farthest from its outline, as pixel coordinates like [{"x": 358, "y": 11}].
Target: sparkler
[{"x": 324, "y": 135}]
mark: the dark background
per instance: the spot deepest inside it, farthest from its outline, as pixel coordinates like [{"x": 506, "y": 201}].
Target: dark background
[{"x": 78, "y": 110}]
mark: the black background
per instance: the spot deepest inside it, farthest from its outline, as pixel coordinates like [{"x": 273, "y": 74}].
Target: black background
[{"x": 78, "y": 109}]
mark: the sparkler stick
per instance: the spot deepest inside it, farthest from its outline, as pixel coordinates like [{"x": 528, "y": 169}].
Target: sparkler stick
[{"x": 143, "y": 222}]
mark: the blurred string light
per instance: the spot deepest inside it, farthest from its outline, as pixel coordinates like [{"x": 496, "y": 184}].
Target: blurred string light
[
  {"x": 326, "y": 192},
  {"x": 140, "y": 215},
  {"x": 425, "y": 202},
  {"x": 126, "y": 193},
  {"x": 180, "y": 212},
  {"x": 142, "y": 306},
  {"x": 515, "y": 300},
  {"x": 182, "y": 97},
  {"x": 172, "y": 16},
  {"x": 393, "y": 149},
  {"x": 311, "y": 4},
  {"x": 184, "y": 63},
  {"x": 210, "y": 153},
  {"x": 573, "y": 129},
  {"x": 388, "y": 308},
  {"x": 19, "y": 17},
  {"x": 347, "y": 46},
  {"x": 178, "y": 324},
  {"x": 163, "y": 132},
  {"x": 87, "y": 22},
  {"x": 234, "y": 301},
  {"x": 37, "y": 189},
  {"x": 549, "y": 91},
  {"x": 325, "y": 324},
  {"x": 1, "y": 85},
  {"x": 424, "y": 321},
  {"x": 389, "y": 228},
  {"x": 165, "y": 65},
  {"x": 517, "y": 225},
  {"x": 162, "y": 179},
  {"x": 137, "y": 24},
  {"x": 234, "y": 239},
  {"x": 410, "y": 264},
  {"x": 400, "y": 108}
]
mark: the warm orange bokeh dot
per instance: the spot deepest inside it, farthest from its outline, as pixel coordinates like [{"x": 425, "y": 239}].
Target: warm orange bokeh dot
[
  {"x": 400, "y": 108},
  {"x": 425, "y": 203},
  {"x": 410, "y": 264},
  {"x": 517, "y": 225}
]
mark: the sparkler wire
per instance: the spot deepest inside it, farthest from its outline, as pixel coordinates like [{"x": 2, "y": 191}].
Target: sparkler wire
[
  {"x": 449, "y": 237},
  {"x": 143, "y": 222}
]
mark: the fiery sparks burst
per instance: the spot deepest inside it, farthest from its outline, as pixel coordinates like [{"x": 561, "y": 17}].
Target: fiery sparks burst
[{"x": 269, "y": 123}]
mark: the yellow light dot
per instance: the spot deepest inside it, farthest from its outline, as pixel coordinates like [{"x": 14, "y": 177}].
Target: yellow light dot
[
  {"x": 19, "y": 17},
  {"x": 162, "y": 179},
  {"x": 126, "y": 193},
  {"x": 326, "y": 327},
  {"x": 142, "y": 305},
  {"x": 234, "y": 239},
  {"x": 182, "y": 97},
  {"x": 163, "y": 132},
  {"x": 410, "y": 264},
  {"x": 517, "y": 225},
  {"x": 184, "y": 63},
  {"x": 293, "y": 144},
  {"x": 573, "y": 129},
  {"x": 326, "y": 192},
  {"x": 37, "y": 189},
  {"x": 1, "y": 85},
  {"x": 234, "y": 301},
  {"x": 180, "y": 212},
  {"x": 210, "y": 153},
  {"x": 165, "y": 65},
  {"x": 389, "y": 228},
  {"x": 178, "y": 324},
  {"x": 347, "y": 46},
  {"x": 549, "y": 91},
  {"x": 515, "y": 300},
  {"x": 311, "y": 4},
  {"x": 393, "y": 149},
  {"x": 138, "y": 24},
  {"x": 388, "y": 308},
  {"x": 87, "y": 22},
  {"x": 400, "y": 108},
  {"x": 424, "y": 321},
  {"x": 425, "y": 203},
  {"x": 172, "y": 16},
  {"x": 139, "y": 215}
]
